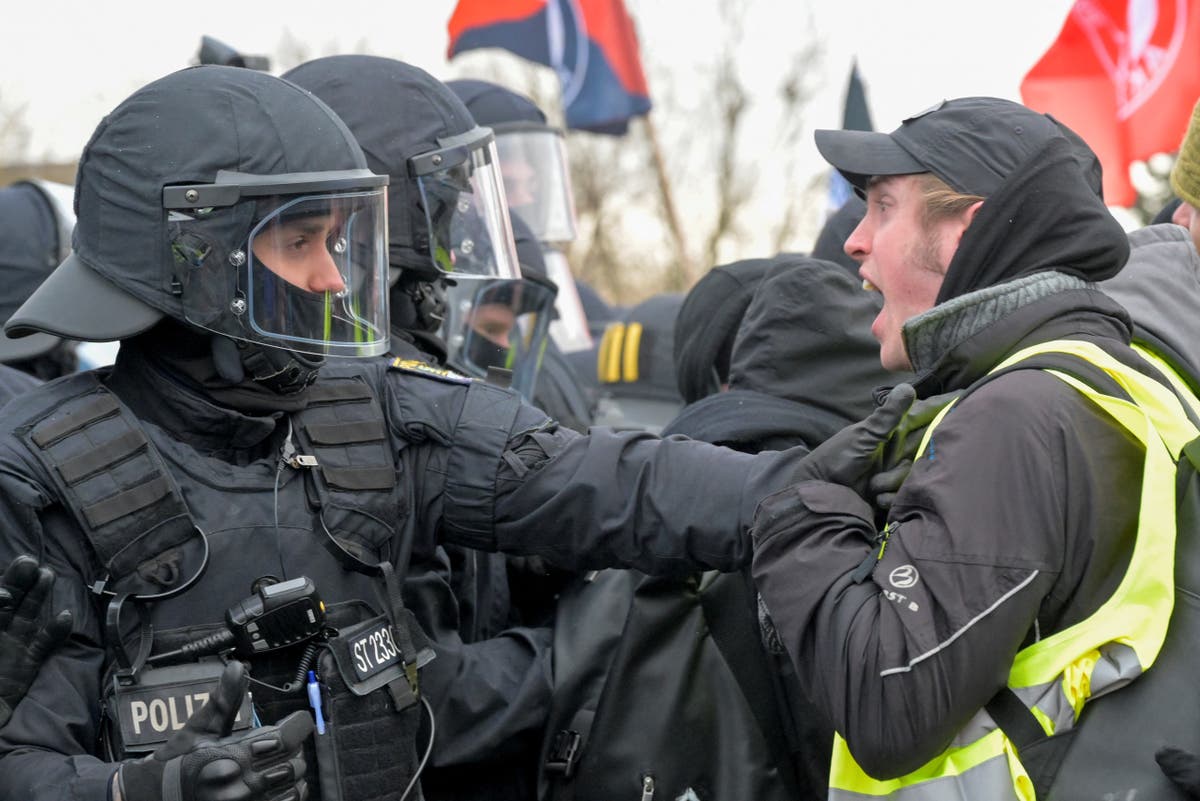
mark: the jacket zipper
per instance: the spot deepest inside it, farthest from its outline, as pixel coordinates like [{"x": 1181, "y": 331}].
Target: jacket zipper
[{"x": 879, "y": 543}]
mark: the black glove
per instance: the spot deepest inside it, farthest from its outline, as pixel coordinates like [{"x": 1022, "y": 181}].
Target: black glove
[
  {"x": 26, "y": 637},
  {"x": 901, "y": 449},
  {"x": 204, "y": 762},
  {"x": 1182, "y": 768},
  {"x": 851, "y": 456}
]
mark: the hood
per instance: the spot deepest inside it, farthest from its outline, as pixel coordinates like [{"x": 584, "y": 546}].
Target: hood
[
  {"x": 1046, "y": 215},
  {"x": 708, "y": 322},
  {"x": 1160, "y": 287},
  {"x": 806, "y": 337}
]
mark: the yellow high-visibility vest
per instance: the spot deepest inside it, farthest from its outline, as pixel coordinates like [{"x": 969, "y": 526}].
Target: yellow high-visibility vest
[{"x": 1055, "y": 677}]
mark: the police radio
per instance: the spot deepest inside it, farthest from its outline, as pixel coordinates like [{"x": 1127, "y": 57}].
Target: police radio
[
  {"x": 145, "y": 704},
  {"x": 277, "y": 616}
]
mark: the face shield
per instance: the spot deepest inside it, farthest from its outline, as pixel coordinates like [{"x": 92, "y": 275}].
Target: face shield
[
  {"x": 310, "y": 275},
  {"x": 533, "y": 161},
  {"x": 500, "y": 323},
  {"x": 468, "y": 231},
  {"x": 570, "y": 326}
]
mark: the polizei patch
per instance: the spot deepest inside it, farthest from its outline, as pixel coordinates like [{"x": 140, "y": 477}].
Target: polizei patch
[{"x": 163, "y": 699}]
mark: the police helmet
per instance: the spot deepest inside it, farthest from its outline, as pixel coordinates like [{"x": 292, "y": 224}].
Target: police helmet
[
  {"x": 234, "y": 202},
  {"x": 533, "y": 158},
  {"x": 503, "y": 322},
  {"x": 447, "y": 215}
]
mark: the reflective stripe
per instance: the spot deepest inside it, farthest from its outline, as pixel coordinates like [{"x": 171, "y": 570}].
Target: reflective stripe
[
  {"x": 608, "y": 362},
  {"x": 979, "y": 772},
  {"x": 629, "y": 356},
  {"x": 963, "y": 630},
  {"x": 1056, "y": 676}
]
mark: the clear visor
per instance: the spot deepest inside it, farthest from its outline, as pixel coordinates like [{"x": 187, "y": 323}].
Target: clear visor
[
  {"x": 570, "y": 327},
  {"x": 537, "y": 181},
  {"x": 316, "y": 274},
  {"x": 470, "y": 234},
  {"x": 499, "y": 323}
]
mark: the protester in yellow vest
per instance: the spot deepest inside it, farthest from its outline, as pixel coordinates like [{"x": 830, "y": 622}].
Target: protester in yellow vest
[{"x": 1025, "y": 565}]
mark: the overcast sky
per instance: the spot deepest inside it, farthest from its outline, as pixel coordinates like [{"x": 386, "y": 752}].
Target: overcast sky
[{"x": 69, "y": 63}]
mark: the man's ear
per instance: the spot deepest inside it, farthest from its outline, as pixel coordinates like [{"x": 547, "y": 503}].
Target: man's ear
[
  {"x": 964, "y": 219},
  {"x": 969, "y": 213}
]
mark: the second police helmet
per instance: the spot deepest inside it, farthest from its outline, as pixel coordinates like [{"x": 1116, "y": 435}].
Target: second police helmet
[{"x": 446, "y": 210}]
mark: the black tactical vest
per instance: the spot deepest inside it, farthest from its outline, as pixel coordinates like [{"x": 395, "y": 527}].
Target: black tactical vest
[{"x": 179, "y": 537}]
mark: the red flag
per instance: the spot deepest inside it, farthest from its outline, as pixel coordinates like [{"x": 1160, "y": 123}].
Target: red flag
[
  {"x": 1124, "y": 75},
  {"x": 591, "y": 44}
]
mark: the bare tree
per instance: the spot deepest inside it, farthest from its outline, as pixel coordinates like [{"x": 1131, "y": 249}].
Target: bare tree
[
  {"x": 15, "y": 133},
  {"x": 733, "y": 179},
  {"x": 795, "y": 91}
]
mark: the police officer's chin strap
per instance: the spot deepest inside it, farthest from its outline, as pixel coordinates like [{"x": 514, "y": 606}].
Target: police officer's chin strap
[{"x": 284, "y": 372}]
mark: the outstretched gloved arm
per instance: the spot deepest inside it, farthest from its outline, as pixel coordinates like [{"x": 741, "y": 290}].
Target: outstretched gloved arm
[
  {"x": 856, "y": 453},
  {"x": 26, "y": 636},
  {"x": 204, "y": 762}
]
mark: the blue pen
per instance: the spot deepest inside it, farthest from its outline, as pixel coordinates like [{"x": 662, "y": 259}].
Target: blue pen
[{"x": 314, "y": 700}]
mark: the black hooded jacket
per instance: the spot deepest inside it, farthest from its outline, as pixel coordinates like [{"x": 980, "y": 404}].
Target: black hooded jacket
[
  {"x": 1018, "y": 518},
  {"x": 707, "y": 325},
  {"x": 804, "y": 364}
]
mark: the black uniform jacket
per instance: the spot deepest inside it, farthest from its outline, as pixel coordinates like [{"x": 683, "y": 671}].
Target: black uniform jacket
[{"x": 583, "y": 501}]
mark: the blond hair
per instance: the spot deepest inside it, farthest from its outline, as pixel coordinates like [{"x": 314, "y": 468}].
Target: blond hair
[{"x": 941, "y": 202}]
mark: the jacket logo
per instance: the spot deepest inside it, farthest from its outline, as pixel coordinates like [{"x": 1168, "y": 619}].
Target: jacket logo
[{"x": 903, "y": 577}]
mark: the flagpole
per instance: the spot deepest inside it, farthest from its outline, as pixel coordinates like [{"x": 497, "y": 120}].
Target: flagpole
[{"x": 683, "y": 269}]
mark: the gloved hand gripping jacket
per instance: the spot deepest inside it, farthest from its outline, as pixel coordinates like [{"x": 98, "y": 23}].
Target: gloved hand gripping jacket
[{"x": 204, "y": 762}]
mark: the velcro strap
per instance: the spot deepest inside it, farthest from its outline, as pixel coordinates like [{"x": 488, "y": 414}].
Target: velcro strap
[
  {"x": 346, "y": 433},
  {"x": 480, "y": 439},
  {"x": 359, "y": 478},
  {"x": 338, "y": 392},
  {"x": 104, "y": 456},
  {"x": 80, "y": 416},
  {"x": 127, "y": 502}
]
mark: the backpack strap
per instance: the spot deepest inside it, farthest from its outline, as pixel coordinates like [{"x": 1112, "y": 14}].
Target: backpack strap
[{"x": 729, "y": 605}]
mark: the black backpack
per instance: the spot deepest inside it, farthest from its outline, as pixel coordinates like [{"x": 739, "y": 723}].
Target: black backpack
[{"x": 664, "y": 690}]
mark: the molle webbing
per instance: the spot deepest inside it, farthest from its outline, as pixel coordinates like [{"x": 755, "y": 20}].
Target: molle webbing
[
  {"x": 109, "y": 475},
  {"x": 344, "y": 427},
  {"x": 354, "y": 483}
]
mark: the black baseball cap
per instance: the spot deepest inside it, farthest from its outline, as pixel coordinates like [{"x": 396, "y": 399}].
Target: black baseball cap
[{"x": 971, "y": 143}]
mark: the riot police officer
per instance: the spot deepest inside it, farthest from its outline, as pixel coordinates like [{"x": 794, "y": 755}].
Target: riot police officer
[
  {"x": 226, "y": 475},
  {"x": 489, "y": 686}
]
